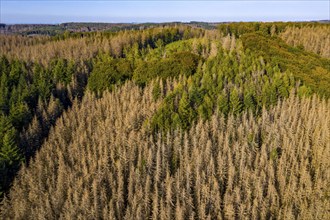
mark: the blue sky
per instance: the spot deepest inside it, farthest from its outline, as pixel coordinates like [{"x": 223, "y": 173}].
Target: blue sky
[{"x": 49, "y": 11}]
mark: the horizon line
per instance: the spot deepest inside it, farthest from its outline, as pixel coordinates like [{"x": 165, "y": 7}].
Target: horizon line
[{"x": 161, "y": 22}]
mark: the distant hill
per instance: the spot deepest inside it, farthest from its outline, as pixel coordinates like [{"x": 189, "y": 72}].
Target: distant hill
[{"x": 54, "y": 29}]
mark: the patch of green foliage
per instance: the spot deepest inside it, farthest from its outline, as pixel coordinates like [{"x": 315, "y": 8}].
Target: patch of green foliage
[
  {"x": 180, "y": 63},
  {"x": 229, "y": 83},
  {"x": 311, "y": 69},
  {"x": 108, "y": 72},
  {"x": 268, "y": 28}
]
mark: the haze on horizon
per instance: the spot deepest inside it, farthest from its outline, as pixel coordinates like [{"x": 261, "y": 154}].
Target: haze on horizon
[{"x": 59, "y": 11}]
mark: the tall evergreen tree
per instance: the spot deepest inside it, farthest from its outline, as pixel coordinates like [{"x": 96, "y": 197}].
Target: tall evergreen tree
[{"x": 235, "y": 102}]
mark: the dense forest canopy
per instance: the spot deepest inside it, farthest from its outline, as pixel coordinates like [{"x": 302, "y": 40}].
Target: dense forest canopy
[{"x": 172, "y": 121}]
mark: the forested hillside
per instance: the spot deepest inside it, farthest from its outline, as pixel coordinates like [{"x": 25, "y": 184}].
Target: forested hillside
[{"x": 172, "y": 122}]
